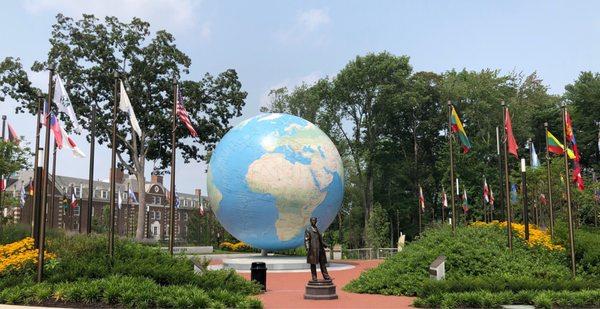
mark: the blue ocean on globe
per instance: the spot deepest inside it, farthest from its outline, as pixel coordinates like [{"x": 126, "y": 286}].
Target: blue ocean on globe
[{"x": 269, "y": 175}]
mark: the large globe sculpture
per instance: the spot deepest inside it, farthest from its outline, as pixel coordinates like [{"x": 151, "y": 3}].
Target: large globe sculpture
[{"x": 269, "y": 175}]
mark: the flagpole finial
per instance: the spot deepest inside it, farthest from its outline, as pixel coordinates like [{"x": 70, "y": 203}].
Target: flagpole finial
[
  {"x": 546, "y": 125},
  {"x": 449, "y": 102},
  {"x": 51, "y": 67},
  {"x": 502, "y": 103},
  {"x": 116, "y": 74},
  {"x": 3, "y": 117},
  {"x": 174, "y": 79}
]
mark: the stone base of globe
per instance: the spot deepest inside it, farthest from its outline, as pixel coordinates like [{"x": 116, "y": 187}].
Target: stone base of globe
[{"x": 276, "y": 264}]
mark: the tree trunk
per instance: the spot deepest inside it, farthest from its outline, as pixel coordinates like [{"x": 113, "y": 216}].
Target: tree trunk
[{"x": 141, "y": 215}]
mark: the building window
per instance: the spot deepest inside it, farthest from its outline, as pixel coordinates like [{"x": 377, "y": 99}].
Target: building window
[
  {"x": 77, "y": 191},
  {"x": 104, "y": 194},
  {"x": 185, "y": 217},
  {"x": 157, "y": 200},
  {"x": 155, "y": 231},
  {"x": 156, "y": 215},
  {"x": 76, "y": 211}
]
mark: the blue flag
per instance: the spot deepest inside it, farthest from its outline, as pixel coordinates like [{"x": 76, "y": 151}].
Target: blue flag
[{"x": 513, "y": 194}]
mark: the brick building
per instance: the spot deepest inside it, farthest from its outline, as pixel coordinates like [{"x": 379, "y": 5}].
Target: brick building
[{"x": 61, "y": 215}]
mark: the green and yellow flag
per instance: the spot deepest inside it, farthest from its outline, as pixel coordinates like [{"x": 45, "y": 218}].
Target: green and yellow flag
[
  {"x": 457, "y": 127},
  {"x": 554, "y": 146}
]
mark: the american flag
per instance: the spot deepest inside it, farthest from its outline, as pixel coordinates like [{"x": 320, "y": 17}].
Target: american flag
[{"x": 183, "y": 114}]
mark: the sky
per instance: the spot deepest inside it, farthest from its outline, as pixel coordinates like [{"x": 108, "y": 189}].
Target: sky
[{"x": 274, "y": 44}]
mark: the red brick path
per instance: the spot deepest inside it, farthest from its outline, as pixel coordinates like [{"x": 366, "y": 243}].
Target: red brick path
[{"x": 286, "y": 290}]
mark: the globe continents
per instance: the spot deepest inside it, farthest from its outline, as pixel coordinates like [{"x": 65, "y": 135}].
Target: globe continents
[{"x": 269, "y": 175}]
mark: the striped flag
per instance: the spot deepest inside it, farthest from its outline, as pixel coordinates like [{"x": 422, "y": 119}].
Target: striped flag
[
  {"x": 457, "y": 127},
  {"x": 183, "y": 114},
  {"x": 510, "y": 137},
  {"x": 444, "y": 199},
  {"x": 76, "y": 151},
  {"x": 577, "y": 178},
  {"x": 486, "y": 191},
  {"x": 421, "y": 199},
  {"x": 56, "y": 130}
]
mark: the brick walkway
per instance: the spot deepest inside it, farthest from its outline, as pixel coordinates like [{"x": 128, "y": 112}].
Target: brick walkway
[{"x": 286, "y": 290}]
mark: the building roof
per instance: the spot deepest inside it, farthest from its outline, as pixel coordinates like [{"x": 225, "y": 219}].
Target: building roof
[{"x": 64, "y": 183}]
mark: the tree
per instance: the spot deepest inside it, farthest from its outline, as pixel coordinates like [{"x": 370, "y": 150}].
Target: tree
[
  {"x": 584, "y": 96},
  {"x": 378, "y": 228},
  {"x": 13, "y": 158},
  {"x": 88, "y": 51}
]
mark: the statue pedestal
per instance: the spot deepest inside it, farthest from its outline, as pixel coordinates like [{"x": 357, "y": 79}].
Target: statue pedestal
[{"x": 320, "y": 289}]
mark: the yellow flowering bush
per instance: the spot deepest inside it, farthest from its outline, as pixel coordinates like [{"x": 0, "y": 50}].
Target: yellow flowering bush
[
  {"x": 16, "y": 255},
  {"x": 537, "y": 237},
  {"x": 237, "y": 247}
]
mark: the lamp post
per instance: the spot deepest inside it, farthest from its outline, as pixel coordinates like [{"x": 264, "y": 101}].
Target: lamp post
[{"x": 525, "y": 204}]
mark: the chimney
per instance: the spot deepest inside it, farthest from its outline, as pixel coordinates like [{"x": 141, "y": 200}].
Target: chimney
[
  {"x": 198, "y": 192},
  {"x": 119, "y": 175},
  {"x": 156, "y": 179}
]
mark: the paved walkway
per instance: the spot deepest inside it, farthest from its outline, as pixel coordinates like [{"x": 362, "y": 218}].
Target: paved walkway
[{"x": 286, "y": 290}]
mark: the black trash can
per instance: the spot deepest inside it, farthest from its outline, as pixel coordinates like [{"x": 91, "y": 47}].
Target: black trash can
[{"x": 258, "y": 273}]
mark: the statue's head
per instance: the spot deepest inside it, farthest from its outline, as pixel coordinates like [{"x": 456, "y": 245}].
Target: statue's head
[{"x": 313, "y": 221}]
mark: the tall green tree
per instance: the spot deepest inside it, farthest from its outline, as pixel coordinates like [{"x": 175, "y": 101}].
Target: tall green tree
[{"x": 87, "y": 51}]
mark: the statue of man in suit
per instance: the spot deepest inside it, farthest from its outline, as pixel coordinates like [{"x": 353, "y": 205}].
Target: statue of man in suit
[{"x": 315, "y": 250}]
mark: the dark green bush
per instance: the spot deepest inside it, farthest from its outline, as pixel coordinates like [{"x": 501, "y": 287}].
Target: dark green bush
[
  {"x": 587, "y": 248},
  {"x": 487, "y": 299},
  {"x": 131, "y": 292},
  {"x": 11, "y": 232},
  {"x": 472, "y": 252}
]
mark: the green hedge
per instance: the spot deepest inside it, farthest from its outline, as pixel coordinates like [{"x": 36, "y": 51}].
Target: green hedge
[
  {"x": 132, "y": 292},
  {"x": 587, "y": 248},
  {"x": 137, "y": 276},
  {"x": 472, "y": 252},
  {"x": 487, "y": 299}
]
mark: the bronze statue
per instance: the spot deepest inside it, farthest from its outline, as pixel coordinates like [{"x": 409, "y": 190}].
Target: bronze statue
[{"x": 315, "y": 250}]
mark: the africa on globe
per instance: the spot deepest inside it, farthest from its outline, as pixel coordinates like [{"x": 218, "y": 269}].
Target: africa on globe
[{"x": 269, "y": 175}]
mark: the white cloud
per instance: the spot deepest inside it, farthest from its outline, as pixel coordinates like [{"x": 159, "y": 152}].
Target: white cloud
[
  {"x": 171, "y": 15},
  {"x": 307, "y": 25},
  {"x": 313, "y": 19},
  {"x": 206, "y": 30},
  {"x": 290, "y": 83}
]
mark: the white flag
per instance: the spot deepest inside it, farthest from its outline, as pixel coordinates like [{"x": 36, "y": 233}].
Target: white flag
[
  {"x": 62, "y": 101},
  {"x": 535, "y": 162},
  {"x": 125, "y": 105},
  {"x": 119, "y": 199},
  {"x": 76, "y": 151}
]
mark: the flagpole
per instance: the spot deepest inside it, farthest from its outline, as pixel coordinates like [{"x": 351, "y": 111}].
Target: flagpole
[
  {"x": 595, "y": 200},
  {"x": 128, "y": 213},
  {"x": 507, "y": 200},
  {"x": 35, "y": 196},
  {"x": 451, "y": 168},
  {"x": 525, "y": 204},
  {"x": 501, "y": 191},
  {"x": 550, "y": 206},
  {"x": 44, "y": 189},
  {"x": 485, "y": 212},
  {"x": 420, "y": 209},
  {"x": 53, "y": 190},
  {"x": 111, "y": 220},
  {"x": 443, "y": 193},
  {"x": 173, "y": 158},
  {"x": 2, "y": 176},
  {"x": 568, "y": 190},
  {"x": 88, "y": 227}
]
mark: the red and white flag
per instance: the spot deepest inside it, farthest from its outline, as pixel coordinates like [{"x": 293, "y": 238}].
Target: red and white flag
[
  {"x": 71, "y": 143},
  {"x": 421, "y": 199},
  {"x": 183, "y": 114},
  {"x": 491, "y": 197},
  {"x": 2, "y": 184},
  {"x": 444, "y": 199},
  {"x": 12, "y": 134},
  {"x": 201, "y": 207},
  {"x": 486, "y": 191},
  {"x": 543, "y": 199},
  {"x": 56, "y": 131},
  {"x": 73, "y": 200}
]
